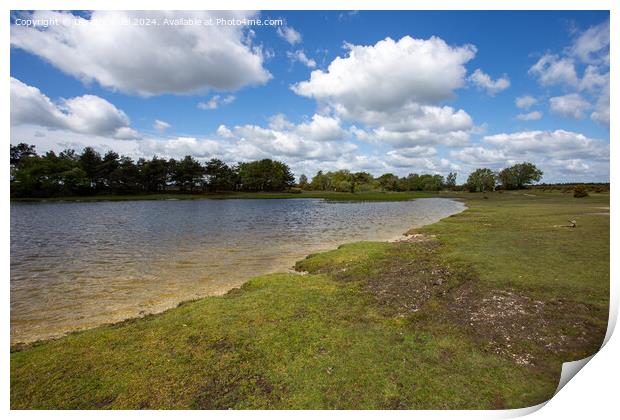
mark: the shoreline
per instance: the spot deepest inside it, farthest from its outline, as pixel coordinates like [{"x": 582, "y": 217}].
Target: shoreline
[
  {"x": 367, "y": 325},
  {"x": 18, "y": 345},
  {"x": 326, "y": 195}
]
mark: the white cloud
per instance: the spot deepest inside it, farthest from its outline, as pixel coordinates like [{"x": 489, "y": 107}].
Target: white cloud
[
  {"x": 552, "y": 70},
  {"x": 562, "y": 155},
  {"x": 321, "y": 128},
  {"x": 321, "y": 138},
  {"x": 593, "y": 80},
  {"x": 59, "y": 139},
  {"x": 87, "y": 114},
  {"x": 301, "y": 56},
  {"x": 415, "y": 124},
  {"x": 590, "y": 49},
  {"x": 147, "y": 60},
  {"x": 419, "y": 164},
  {"x": 224, "y": 132},
  {"x": 558, "y": 144},
  {"x": 572, "y": 105},
  {"x": 161, "y": 126},
  {"x": 392, "y": 89},
  {"x": 530, "y": 116},
  {"x": 525, "y": 101},
  {"x": 485, "y": 82},
  {"x": 479, "y": 156},
  {"x": 215, "y": 101},
  {"x": 181, "y": 146},
  {"x": 415, "y": 152},
  {"x": 390, "y": 74},
  {"x": 289, "y": 34},
  {"x": 601, "y": 109},
  {"x": 590, "y": 44}
]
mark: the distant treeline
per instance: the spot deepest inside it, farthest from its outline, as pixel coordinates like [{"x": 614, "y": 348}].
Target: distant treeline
[
  {"x": 347, "y": 181},
  {"x": 69, "y": 174},
  {"x": 598, "y": 187}
]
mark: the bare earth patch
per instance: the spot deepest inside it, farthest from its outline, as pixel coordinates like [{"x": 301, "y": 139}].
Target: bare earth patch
[
  {"x": 412, "y": 238},
  {"x": 514, "y": 325}
]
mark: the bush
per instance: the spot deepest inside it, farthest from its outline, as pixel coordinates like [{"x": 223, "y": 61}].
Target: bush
[
  {"x": 295, "y": 190},
  {"x": 580, "y": 191}
]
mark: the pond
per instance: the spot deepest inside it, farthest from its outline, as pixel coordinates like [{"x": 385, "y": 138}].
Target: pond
[{"x": 76, "y": 265}]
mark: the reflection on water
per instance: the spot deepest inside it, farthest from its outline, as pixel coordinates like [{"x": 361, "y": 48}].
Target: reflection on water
[{"x": 77, "y": 265}]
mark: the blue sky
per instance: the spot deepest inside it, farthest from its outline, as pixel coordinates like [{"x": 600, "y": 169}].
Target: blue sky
[{"x": 324, "y": 90}]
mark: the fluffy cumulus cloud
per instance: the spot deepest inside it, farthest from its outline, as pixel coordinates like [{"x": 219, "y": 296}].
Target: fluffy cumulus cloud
[
  {"x": 389, "y": 74},
  {"x": 530, "y": 116},
  {"x": 418, "y": 159},
  {"x": 557, "y": 144},
  {"x": 87, "y": 114},
  {"x": 177, "y": 59},
  {"x": 589, "y": 44},
  {"x": 485, "y": 82},
  {"x": 572, "y": 105},
  {"x": 525, "y": 101},
  {"x": 583, "y": 70},
  {"x": 562, "y": 154},
  {"x": 415, "y": 124},
  {"x": 601, "y": 109},
  {"x": 320, "y": 138},
  {"x": 181, "y": 146},
  {"x": 391, "y": 91},
  {"x": 552, "y": 70}
]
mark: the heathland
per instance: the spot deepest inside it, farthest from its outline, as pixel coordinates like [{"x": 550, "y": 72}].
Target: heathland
[{"x": 476, "y": 311}]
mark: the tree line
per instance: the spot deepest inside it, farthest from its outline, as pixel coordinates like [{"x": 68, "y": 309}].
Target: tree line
[
  {"x": 69, "y": 173},
  {"x": 514, "y": 177},
  {"x": 347, "y": 181}
]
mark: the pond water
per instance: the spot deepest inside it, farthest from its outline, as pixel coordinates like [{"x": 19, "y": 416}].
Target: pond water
[{"x": 76, "y": 265}]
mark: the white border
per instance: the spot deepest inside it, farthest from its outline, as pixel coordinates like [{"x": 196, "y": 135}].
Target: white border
[{"x": 593, "y": 392}]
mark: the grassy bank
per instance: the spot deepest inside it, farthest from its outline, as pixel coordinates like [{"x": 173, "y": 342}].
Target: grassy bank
[
  {"x": 327, "y": 195},
  {"x": 476, "y": 311}
]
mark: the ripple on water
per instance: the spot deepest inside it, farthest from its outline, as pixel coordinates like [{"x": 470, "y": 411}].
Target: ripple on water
[{"x": 78, "y": 265}]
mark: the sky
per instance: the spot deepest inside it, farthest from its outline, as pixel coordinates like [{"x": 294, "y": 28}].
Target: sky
[{"x": 377, "y": 91}]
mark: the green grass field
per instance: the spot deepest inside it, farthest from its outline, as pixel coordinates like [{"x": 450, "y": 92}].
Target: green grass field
[{"x": 476, "y": 311}]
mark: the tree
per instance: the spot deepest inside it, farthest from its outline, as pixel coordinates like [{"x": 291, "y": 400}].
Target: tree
[
  {"x": 519, "y": 176},
  {"x": 303, "y": 182},
  {"x": 49, "y": 175},
  {"x": 220, "y": 176},
  {"x": 431, "y": 182},
  {"x": 451, "y": 180},
  {"x": 90, "y": 162},
  {"x": 265, "y": 175},
  {"x": 22, "y": 150},
  {"x": 320, "y": 182},
  {"x": 187, "y": 174},
  {"x": 388, "y": 182},
  {"x": 109, "y": 164},
  {"x": 126, "y": 179},
  {"x": 411, "y": 183},
  {"x": 362, "y": 181},
  {"x": 154, "y": 174},
  {"x": 482, "y": 180}
]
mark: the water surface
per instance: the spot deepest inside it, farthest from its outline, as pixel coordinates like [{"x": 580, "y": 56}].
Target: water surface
[{"x": 76, "y": 265}]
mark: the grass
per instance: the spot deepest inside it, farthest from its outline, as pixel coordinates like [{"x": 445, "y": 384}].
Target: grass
[
  {"x": 476, "y": 311},
  {"x": 326, "y": 195}
]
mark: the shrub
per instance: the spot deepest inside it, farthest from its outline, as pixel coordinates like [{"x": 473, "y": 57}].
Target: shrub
[
  {"x": 580, "y": 191},
  {"x": 295, "y": 190}
]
